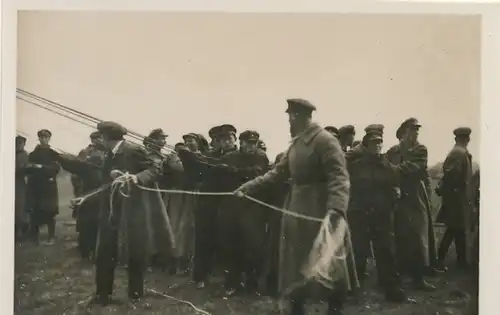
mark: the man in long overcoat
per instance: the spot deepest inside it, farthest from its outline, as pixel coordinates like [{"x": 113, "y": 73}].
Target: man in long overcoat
[
  {"x": 412, "y": 220},
  {"x": 316, "y": 165},
  {"x": 457, "y": 192},
  {"x": 132, "y": 205},
  {"x": 43, "y": 196},
  {"x": 172, "y": 173}
]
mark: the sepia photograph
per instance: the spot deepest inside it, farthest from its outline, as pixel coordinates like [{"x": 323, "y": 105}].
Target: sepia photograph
[{"x": 247, "y": 163}]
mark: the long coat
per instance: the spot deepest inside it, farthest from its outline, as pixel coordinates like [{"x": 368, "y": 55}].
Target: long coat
[
  {"x": 141, "y": 216},
  {"x": 242, "y": 221},
  {"x": 20, "y": 193},
  {"x": 413, "y": 221},
  {"x": 456, "y": 189},
  {"x": 43, "y": 196},
  {"x": 316, "y": 165}
]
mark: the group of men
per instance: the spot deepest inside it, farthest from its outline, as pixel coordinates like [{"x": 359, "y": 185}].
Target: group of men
[{"x": 385, "y": 198}]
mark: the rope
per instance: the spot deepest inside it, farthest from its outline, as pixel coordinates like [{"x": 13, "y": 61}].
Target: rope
[
  {"x": 123, "y": 181},
  {"x": 77, "y": 113}
]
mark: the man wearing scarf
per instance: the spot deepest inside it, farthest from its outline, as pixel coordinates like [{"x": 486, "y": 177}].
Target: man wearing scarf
[
  {"x": 412, "y": 218},
  {"x": 315, "y": 163},
  {"x": 371, "y": 211},
  {"x": 43, "y": 197}
]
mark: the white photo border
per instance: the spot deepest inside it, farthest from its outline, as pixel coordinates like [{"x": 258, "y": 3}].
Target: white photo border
[{"x": 490, "y": 100}]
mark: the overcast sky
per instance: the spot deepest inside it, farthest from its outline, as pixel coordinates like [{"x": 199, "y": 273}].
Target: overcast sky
[{"x": 186, "y": 72}]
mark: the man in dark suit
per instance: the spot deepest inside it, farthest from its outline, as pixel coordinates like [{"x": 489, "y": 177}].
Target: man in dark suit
[{"x": 124, "y": 157}]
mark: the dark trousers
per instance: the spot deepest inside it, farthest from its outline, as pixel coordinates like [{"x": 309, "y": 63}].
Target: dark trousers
[
  {"x": 451, "y": 235},
  {"x": 243, "y": 243},
  {"x": 205, "y": 222},
  {"x": 87, "y": 239},
  {"x": 88, "y": 226},
  {"x": 375, "y": 226},
  {"x": 37, "y": 221},
  {"x": 272, "y": 244},
  {"x": 106, "y": 260}
]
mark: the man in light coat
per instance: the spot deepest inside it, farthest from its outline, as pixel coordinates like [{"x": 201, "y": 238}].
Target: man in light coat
[{"x": 316, "y": 165}]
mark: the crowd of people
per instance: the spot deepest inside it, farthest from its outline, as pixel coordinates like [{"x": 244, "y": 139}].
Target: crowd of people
[{"x": 168, "y": 213}]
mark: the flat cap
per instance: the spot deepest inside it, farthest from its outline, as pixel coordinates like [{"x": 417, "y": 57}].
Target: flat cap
[
  {"x": 44, "y": 133},
  {"x": 261, "y": 145},
  {"x": 20, "y": 138},
  {"x": 410, "y": 123},
  {"x": 333, "y": 130},
  {"x": 347, "y": 130},
  {"x": 227, "y": 129},
  {"x": 299, "y": 106},
  {"x": 373, "y": 135},
  {"x": 157, "y": 133},
  {"x": 111, "y": 127},
  {"x": 375, "y": 127},
  {"x": 95, "y": 135},
  {"x": 250, "y": 136},
  {"x": 192, "y": 136},
  {"x": 214, "y": 132},
  {"x": 462, "y": 132}
]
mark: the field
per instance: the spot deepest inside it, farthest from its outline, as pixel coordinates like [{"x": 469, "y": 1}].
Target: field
[{"x": 53, "y": 281}]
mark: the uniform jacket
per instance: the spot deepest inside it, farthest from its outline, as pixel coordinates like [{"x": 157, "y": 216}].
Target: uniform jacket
[{"x": 457, "y": 191}]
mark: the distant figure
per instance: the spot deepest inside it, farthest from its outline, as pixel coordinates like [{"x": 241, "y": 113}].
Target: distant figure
[
  {"x": 43, "y": 194},
  {"x": 22, "y": 170},
  {"x": 457, "y": 192}
]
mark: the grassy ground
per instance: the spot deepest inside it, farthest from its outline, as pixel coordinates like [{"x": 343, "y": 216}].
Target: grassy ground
[{"x": 52, "y": 280}]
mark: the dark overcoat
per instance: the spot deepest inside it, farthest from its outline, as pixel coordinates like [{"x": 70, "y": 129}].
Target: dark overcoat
[
  {"x": 43, "y": 196},
  {"x": 413, "y": 221},
  {"x": 140, "y": 215}
]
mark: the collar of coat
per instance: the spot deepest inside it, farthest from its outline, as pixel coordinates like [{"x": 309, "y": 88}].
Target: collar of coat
[{"x": 308, "y": 135}]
